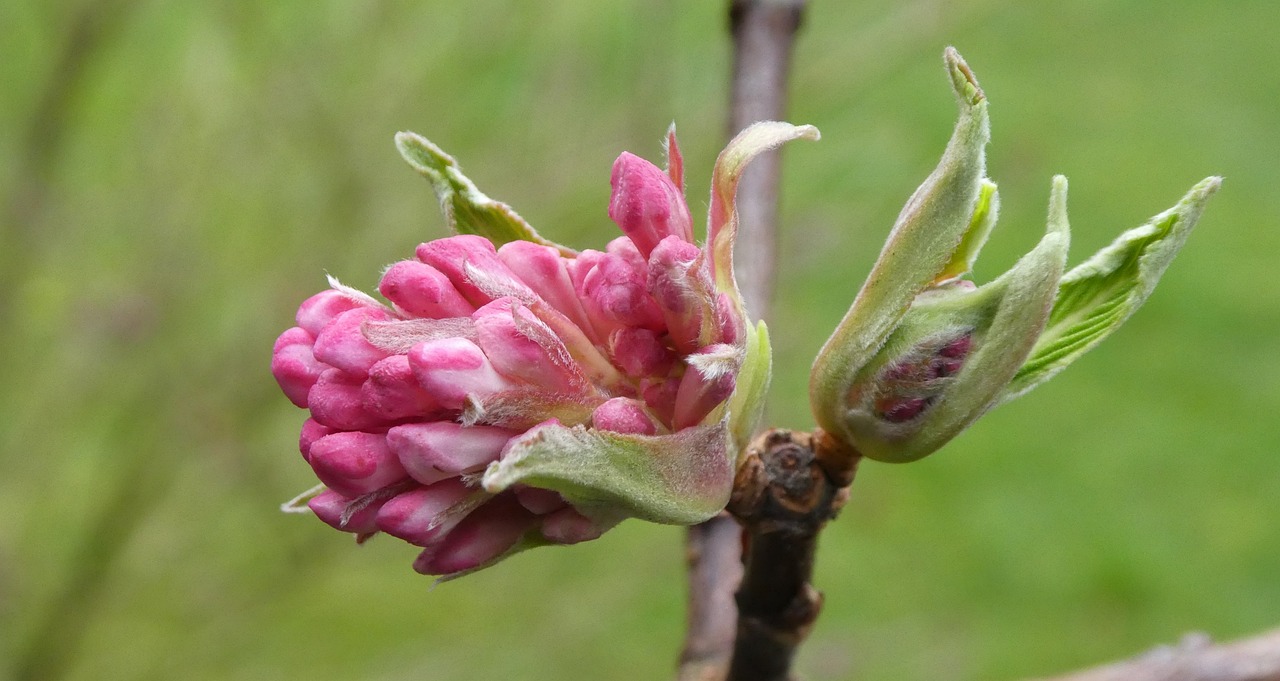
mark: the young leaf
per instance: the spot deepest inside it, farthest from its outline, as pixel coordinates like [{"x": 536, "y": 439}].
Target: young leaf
[
  {"x": 1097, "y": 296},
  {"x": 466, "y": 208},
  {"x": 722, "y": 219},
  {"x": 983, "y": 221}
]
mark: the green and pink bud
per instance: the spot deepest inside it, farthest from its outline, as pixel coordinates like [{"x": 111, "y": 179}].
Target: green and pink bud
[
  {"x": 515, "y": 393},
  {"x": 923, "y": 352}
]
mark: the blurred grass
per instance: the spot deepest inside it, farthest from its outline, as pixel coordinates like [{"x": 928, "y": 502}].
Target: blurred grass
[{"x": 177, "y": 177}]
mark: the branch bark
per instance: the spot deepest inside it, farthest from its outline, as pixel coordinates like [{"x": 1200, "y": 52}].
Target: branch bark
[
  {"x": 1195, "y": 658},
  {"x": 784, "y": 497},
  {"x": 763, "y": 35}
]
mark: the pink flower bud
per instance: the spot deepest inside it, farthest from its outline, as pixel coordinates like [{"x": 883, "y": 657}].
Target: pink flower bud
[
  {"x": 336, "y": 401},
  {"x": 646, "y": 204},
  {"x": 958, "y": 348},
  {"x": 660, "y": 397},
  {"x": 579, "y": 267},
  {"x": 452, "y": 369},
  {"x": 342, "y": 344},
  {"x": 703, "y": 388},
  {"x": 521, "y": 347},
  {"x": 318, "y": 310},
  {"x": 542, "y": 268},
  {"x": 312, "y": 430},
  {"x": 901, "y": 410},
  {"x": 568, "y": 526},
  {"x": 355, "y": 463},
  {"x": 625, "y": 248},
  {"x": 436, "y": 450},
  {"x": 623, "y": 415},
  {"x": 616, "y": 290},
  {"x": 471, "y": 263},
  {"x": 484, "y": 535},
  {"x": 640, "y": 352},
  {"x": 539, "y": 501},
  {"x": 392, "y": 391},
  {"x": 680, "y": 285},
  {"x": 424, "y": 515},
  {"x": 293, "y": 336},
  {"x": 345, "y": 514},
  {"x": 908, "y": 387},
  {"x": 294, "y": 365},
  {"x": 942, "y": 367},
  {"x": 422, "y": 291}
]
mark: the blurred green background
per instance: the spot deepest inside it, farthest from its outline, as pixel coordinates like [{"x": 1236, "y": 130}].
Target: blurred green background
[{"x": 176, "y": 177}]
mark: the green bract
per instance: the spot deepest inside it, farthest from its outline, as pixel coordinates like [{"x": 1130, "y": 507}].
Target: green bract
[
  {"x": 746, "y": 406},
  {"x": 674, "y": 479}
]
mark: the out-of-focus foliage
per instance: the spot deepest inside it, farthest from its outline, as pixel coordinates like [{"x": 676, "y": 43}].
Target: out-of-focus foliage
[{"x": 176, "y": 177}]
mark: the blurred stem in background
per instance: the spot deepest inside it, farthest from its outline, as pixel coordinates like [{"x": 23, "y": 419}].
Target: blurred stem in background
[{"x": 763, "y": 33}]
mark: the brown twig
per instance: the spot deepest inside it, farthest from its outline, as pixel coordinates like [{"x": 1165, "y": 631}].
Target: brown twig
[
  {"x": 791, "y": 485},
  {"x": 1195, "y": 658},
  {"x": 763, "y": 34},
  {"x": 783, "y": 496}
]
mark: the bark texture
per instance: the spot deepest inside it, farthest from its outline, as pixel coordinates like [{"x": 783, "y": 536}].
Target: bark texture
[
  {"x": 783, "y": 497},
  {"x": 1195, "y": 658}
]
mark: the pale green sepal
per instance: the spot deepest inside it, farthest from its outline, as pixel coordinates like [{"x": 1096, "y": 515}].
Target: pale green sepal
[
  {"x": 466, "y": 208},
  {"x": 746, "y": 405},
  {"x": 1097, "y": 296},
  {"x": 923, "y": 242},
  {"x": 298, "y": 504},
  {"x": 1005, "y": 318},
  {"x": 679, "y": 479},
  {"x": 985, "y": 214},
  {"x": 722, "y": 220}
]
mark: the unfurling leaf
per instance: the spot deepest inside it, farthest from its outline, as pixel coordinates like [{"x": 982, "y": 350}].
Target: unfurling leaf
[
  {"x": 1098, "y": 295},
  {"x": 467, "y": 209}
]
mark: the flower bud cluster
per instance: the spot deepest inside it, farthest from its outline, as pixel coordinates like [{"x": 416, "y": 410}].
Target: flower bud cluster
[{"x": 481, "y": 347}]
